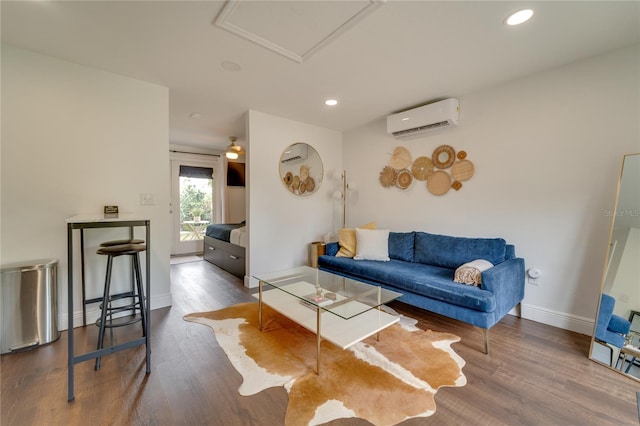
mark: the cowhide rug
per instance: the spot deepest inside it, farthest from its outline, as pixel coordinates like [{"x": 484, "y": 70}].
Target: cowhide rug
[{"x": 385, "y": 381}]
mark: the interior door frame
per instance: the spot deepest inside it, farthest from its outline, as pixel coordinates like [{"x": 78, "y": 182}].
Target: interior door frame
[{"x": 196, "y": 160}]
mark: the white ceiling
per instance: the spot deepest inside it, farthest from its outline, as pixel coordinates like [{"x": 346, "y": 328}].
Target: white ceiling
[{"x": 401, "y": 54}]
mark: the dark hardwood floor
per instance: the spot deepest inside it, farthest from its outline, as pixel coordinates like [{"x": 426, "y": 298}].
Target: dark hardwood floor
[{"x": 535, "y": 374}]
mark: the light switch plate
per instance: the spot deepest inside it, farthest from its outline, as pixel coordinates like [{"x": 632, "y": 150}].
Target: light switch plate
[{"x": 147, "y": 199}]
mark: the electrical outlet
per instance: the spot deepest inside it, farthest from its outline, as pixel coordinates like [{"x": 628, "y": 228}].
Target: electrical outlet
[{"x": 147, "y": 199}]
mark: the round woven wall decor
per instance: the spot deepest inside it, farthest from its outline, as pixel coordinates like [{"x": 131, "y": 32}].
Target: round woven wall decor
[
  {"x": 439, "y": 183},
  {"x": 462, "y": 170},
  {"x": 401, "y": 158},
  {"x": 295, "y": 183},
  {"x": 404, "y": 179},
  {"x": 448, "y": 156},
  {"x": 304, "y": 172},
  {"x": 288, "y": 178},
  {"x": 422, "y": 167},
  {"x": 310, "y": 184},
  {"x": 388, "y": 176}
]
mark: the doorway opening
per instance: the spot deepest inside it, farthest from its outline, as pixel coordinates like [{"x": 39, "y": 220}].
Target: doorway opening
[{"x": 193, "y": 201}]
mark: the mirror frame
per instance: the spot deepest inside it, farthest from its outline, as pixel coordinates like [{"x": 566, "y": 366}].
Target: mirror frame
[
  {"x": 297, "y": 175},
  {"x": 607, "y": 260},
  {"x": 436, "y": 157}
]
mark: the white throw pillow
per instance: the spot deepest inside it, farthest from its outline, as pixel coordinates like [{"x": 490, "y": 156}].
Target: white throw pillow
[{"x": 372, "y": 244}]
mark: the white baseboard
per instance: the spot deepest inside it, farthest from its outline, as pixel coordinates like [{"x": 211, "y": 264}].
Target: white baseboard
[
  {"x": 558, "y": 319},
  {"x": 157, "y": 302},
  {"x": 250, "y": 282},
  {"x": 161, "y": 301}
]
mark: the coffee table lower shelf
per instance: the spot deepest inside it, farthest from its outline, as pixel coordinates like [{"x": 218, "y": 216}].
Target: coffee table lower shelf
[{"x": 326, "y": 325}]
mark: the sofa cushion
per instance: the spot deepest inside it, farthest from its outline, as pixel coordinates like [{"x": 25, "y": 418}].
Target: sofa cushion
[
  {"x": 401, "y": 245},
  {"x": 451, "y": 252},
  {"x": 347, "y": 240},
  {"x": 372, "y": 244},
  {"x": 430, "y": 281}
]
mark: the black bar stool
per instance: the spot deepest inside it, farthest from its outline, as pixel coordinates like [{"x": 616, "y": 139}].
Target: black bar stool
[
  {"x": 137, "y": 298},
  {"x": 86, "y": 301},
  {"x": 121, "y": 242}
]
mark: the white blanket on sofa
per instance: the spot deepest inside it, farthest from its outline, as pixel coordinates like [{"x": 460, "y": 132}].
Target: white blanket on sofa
[{"x": 471, "y": 272}]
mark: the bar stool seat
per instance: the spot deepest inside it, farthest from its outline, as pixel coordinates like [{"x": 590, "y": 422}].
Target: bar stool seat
[
  {"x": 121, "y": 242},
  {"x": 136, "y": 296}
]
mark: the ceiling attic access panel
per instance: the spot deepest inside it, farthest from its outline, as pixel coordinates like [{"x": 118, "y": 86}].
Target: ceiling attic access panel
[{"x": 295, "y": 30}]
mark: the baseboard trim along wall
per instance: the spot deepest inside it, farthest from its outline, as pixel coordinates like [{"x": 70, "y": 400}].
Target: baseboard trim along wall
[
  {"x": 558, "y": 319},
  {"x": 534, "y": 313},
  {"x": 93, "y": 313}
]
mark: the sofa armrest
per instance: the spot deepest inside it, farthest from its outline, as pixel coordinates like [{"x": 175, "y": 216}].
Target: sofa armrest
[
  {"x": 506, "y": 282},
  {"x": 619, "y": 325},
  {"x": 332, "y": 248}
]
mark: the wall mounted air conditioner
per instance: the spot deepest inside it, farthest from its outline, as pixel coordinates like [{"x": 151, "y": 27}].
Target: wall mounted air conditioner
[
  {"x": 437, "y": 115},
  {"x": 298, "y": 151}
]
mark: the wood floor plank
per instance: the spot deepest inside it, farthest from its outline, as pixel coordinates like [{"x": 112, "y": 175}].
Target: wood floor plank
[{"x": 534, "y": 375}]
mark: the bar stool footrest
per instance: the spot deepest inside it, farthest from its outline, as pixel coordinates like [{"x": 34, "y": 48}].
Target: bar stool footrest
[
  {"x": 113, "y": 297},
  {"x": 133, "y": 308},
  {"x": 118, "y": 322}
]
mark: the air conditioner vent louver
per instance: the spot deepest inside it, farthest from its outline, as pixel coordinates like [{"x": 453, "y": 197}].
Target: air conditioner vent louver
[
  {"x": 421, "y": 129},
  {"x": 430, "y": 117},
  {"x": 295, "y": 152}
]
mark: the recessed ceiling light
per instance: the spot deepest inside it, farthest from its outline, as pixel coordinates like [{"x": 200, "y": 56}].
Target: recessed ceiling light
[
  {"x": 519, "y": 17},
  {"x": 195, "y": 115},
  {"x": 230, "y": 66},
  {"x": 331, "y": 102}
]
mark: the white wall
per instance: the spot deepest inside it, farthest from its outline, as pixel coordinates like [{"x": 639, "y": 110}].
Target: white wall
[
  {"x": 280, "y": 224},
  {"x": 73, "y": 140},
  {"x": 236, "y": 197},
  {"x": 547, "y": 151}
]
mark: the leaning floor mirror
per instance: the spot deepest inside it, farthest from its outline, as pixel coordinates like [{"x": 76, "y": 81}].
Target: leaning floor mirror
[{"x": 616, "y": 340}]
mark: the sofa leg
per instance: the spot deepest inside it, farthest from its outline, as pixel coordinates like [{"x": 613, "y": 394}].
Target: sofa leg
[{"x": 485, "y": 333}]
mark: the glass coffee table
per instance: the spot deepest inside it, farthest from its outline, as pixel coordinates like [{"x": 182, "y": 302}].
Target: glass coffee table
[{"x": 340, "y": 310}]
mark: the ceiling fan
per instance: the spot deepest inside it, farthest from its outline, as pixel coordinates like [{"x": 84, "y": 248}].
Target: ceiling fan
[{"x": 233, "y": 151}]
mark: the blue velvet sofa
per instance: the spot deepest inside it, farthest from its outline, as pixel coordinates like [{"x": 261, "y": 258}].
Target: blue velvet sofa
[
  {"x": 611, "y": 329},
  {"x": 422, "y": 268}
]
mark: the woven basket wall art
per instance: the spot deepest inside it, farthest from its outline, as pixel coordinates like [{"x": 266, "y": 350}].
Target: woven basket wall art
[
  {"x": 388, "y": 176},
  {"x": 404, "y": 179},
  {"x": 421, "y": 168},
  {"x": 401, "y": 158},
  {"x": 445, "y": 170}
]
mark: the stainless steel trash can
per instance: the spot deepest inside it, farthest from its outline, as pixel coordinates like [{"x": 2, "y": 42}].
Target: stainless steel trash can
[{"x": 28, "y": 305}]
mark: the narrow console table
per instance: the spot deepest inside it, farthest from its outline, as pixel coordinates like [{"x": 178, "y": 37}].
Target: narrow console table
[{"x": 82, "y": 222}]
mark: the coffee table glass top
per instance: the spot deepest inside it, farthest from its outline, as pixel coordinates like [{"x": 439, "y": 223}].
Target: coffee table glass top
[{"x": 333, "y": 293}]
